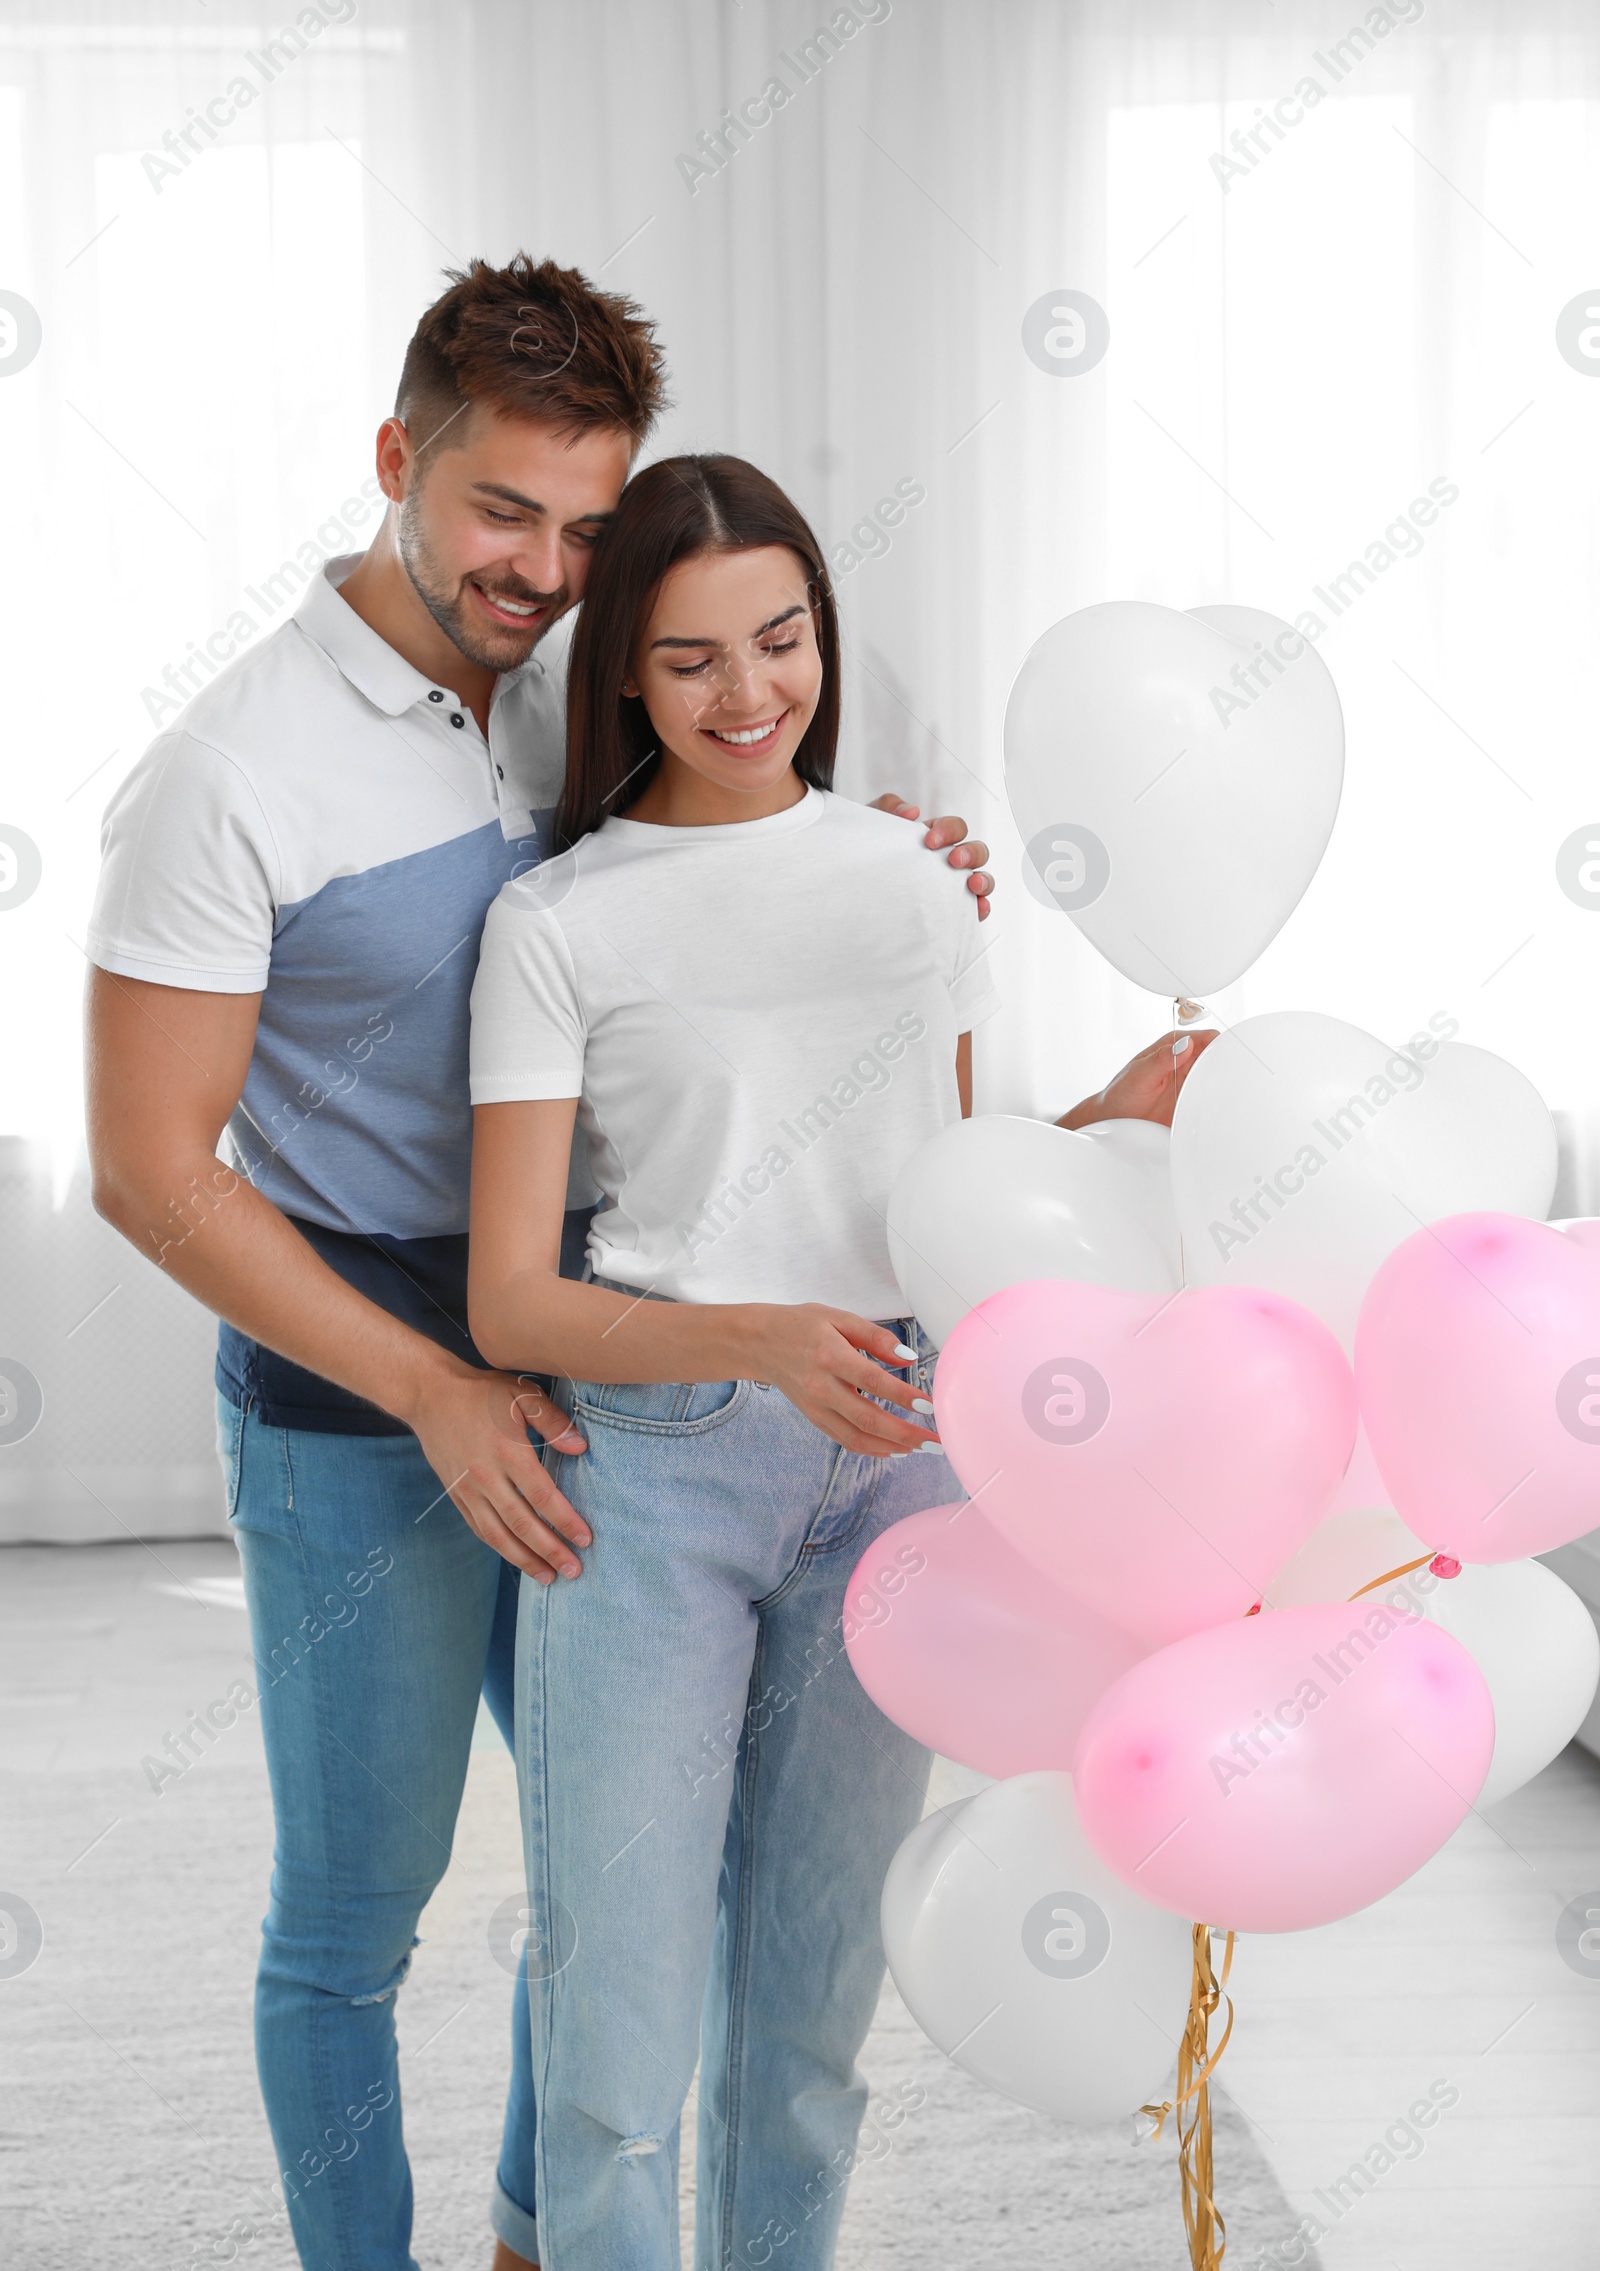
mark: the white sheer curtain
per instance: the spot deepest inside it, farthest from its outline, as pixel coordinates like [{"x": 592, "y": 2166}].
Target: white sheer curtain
[{"x": 1370, "y": 303}]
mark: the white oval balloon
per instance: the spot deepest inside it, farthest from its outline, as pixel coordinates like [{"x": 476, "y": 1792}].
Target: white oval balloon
[
  {"x": 1304, "y": 1150},
  {"x": 992, "y": 1202},
  {"x": 1175, "y": 778},
  {"x": 1027, "y": 1962},
  {"x": 1536, "y": 1645},
  {"x": 1346, "y": 1551},
  {"x": 1531, "y": 1636}
]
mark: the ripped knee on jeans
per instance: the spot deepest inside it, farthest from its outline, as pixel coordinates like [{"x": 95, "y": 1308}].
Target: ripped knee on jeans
[
  {"x": 358, "y": 2002},
  {"x": 634, "y": 2148}
]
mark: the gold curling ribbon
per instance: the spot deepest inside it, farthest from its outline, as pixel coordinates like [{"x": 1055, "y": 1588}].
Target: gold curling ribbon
[
  {"x": 1389, "y": 1575},
  {"x": 1202, "y": 2219}
]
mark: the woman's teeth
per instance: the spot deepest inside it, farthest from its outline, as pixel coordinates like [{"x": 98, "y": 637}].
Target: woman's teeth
[{"x": 743, "y": 740}]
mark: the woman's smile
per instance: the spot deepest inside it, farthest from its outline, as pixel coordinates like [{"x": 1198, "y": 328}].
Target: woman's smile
[{"x": 750, "y": 740}]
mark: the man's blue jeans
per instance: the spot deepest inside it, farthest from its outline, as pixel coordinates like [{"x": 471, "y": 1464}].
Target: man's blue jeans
[
  {"x": 377, "y": 1618},
  {"x": 710, "y": 1803}
]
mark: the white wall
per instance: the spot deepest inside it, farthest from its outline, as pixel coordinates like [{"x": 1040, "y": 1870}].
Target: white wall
[{"x": 1371, "y": 305}]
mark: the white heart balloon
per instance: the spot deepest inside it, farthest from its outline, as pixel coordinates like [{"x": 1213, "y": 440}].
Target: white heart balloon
[
  {"x": 1027, "y": 1962},
  {"x": 1175, "y": 778},
  {"x": 1304, "y": 1150},
  {"x": 992, "y": 1202}
]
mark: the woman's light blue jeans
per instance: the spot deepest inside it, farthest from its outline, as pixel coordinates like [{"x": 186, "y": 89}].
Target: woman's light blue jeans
[
  {"x": 710, "y": 1804},
  {"x": 377, "y": 1617}
]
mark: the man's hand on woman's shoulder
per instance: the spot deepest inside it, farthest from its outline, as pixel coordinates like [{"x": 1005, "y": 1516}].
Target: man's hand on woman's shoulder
[{"x": 951, "y": 830}]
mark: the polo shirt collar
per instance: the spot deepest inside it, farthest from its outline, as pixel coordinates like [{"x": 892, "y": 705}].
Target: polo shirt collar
[{"x": 372, "y": 666}]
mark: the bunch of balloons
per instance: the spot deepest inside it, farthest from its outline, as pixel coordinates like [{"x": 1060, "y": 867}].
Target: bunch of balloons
[{"x": 1260, "y": 1420}]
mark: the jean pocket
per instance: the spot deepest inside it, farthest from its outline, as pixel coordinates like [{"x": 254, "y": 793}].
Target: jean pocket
[
  {"x": 230, "y": 1450},
  {"x": 660, "y": 1407}
]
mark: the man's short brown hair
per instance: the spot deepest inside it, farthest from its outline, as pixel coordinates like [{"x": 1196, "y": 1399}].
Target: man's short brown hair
[{"x": 531, "y": 341}]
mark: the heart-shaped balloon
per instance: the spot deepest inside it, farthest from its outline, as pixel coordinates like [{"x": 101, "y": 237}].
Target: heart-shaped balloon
[
  {"x": 1478, "y": 1364},
  {"x": 970, "y": 1647},
  {"x": 1304, "y": 1150},
  {"x": 1286, "y": 1769},
  {"x": 1026, "y": 1960},
  {"x": 1175, "y": 779},
  {"x": 1160, "y": 1457},
  {"x": 990, "y": 1201}
]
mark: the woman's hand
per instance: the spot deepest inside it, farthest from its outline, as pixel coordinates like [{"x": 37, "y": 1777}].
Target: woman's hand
[
  {"x": 822, "y": 1360},
  {"x": 1148, "y": 1086}
]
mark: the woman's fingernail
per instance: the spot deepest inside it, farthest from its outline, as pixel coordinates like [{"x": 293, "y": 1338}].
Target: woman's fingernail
[
  {"x": 1181, "y": 1044},
  {"x": 936, "y": 1448},
  {"x": 921, "y": 1403},
  {"x": 906, "y": 1355}
]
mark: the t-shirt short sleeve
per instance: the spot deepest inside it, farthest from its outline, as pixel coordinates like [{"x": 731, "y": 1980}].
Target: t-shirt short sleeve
[
  {"x": 189, "y": 878},
  {"x": 972, "y": 989},
  {"x": 528, "y": 1029}
]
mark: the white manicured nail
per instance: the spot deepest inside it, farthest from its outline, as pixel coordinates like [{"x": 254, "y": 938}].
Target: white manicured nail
[
  {"x": 906, "y": 1355},
  {"x": 921, "y": 1403}
]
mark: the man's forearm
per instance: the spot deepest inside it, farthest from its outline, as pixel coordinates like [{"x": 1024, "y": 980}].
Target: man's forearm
[{"x": 234, "y": 1251}]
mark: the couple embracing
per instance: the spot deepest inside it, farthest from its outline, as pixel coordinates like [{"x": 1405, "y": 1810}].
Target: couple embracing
[{"x": 596, "y": 961}]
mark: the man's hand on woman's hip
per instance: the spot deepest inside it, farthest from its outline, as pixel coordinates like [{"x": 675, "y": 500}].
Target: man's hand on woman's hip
[{"x": 473, "y": 1428}]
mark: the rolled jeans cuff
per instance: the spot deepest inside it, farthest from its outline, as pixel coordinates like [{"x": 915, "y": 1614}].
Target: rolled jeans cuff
[{"x": 516, "y": 2226}]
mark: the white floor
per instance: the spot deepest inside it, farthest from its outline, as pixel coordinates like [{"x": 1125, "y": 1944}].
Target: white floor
[{"x": 1455, "y": 1979}]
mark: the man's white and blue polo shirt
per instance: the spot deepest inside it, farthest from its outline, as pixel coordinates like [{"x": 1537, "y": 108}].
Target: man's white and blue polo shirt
[{"x": 327, "y": 827}]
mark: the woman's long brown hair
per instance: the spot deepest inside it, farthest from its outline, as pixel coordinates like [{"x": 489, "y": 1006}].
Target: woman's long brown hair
[{"x": 672, "y": 511}]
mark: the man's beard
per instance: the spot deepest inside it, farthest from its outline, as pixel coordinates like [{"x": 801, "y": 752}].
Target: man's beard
[{"x": 491, "y": 647}]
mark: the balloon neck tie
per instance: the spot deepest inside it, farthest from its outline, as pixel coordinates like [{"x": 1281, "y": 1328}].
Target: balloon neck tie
[
  {"x": 1432, "y": 1561},
  {"x": 1197, "y": 2062}
]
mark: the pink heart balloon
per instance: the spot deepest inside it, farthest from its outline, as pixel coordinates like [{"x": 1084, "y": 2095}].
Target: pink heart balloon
[
  {"x": 1285, "y": 1769},
  {"x": 1160, "y": 1456},
  {"x": 1478, "y": 1364},
  {"x": 972, "y": 1649}
]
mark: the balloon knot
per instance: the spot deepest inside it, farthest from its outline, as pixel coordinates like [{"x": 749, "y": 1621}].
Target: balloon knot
[
  {"x": 1254, "y": 1611},
  {"x": 1445, "y": 1565}
]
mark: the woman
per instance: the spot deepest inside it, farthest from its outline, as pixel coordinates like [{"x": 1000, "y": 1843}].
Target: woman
[{"x": 755, "y": 1000}]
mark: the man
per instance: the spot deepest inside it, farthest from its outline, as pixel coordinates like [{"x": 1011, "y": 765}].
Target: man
[{"x": 284, "y": 940}]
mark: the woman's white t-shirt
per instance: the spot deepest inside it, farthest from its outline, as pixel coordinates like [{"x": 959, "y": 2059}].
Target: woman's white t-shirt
[{"x": 760, "y": 1024}]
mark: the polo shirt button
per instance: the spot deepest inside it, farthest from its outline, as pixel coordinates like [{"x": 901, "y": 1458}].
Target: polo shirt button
[
  {"x": 435, "y": 695},
  {"x": 501, "y": 771},
  {"x": 456, "y": 718}
]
